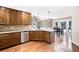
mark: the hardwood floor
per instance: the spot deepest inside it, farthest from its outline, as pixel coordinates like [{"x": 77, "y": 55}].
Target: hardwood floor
[
  {"x": 30, "y": 47},
  {"x": 61, "y": 44}
]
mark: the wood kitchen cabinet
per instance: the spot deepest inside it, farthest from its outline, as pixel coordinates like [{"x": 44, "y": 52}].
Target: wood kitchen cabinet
[
  {"x": 26, "y": 18},
  {"x": 49, "y": 37},
  {"x": 18, "y": 18},
  {"x": 36, "y": 35},
  {"x": 3, "y": 16},
  {"x": 6, "y": 16},
  {"x": 33, "y": 35},
  {"x": 10, "y": 16},
  {"x": 9, "y": 39},
  {"x": 14, "y": 17},
  {"x": 15, "y": 38},
  {"x": 4, "y": 41},
  {"x": 41, "y": 36}
]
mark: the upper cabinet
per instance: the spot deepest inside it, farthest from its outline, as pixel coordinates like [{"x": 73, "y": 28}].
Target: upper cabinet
[
  {"x": 3, "y": 19},
  {"x": 26, "y": 18},
  {"x": 14, "y": 17}
]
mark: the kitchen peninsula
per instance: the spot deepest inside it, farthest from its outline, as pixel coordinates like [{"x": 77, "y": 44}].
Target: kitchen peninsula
[{"x": 10, "y": 37}]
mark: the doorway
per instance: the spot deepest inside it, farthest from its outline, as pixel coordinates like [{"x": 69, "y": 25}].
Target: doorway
[{"x": 66, "y": 37}]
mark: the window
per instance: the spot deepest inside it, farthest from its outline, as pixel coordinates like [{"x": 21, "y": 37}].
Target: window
[
  {"x": 70, "y": 24},
  {"x": 63, "y": 24}
]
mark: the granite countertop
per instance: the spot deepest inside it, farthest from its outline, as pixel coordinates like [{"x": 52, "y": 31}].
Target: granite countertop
[{"x": 3, "y": 31}]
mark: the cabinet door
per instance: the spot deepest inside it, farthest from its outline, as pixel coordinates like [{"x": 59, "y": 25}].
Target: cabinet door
[
  {"x": 26, "y": 18},
  {"x": 4, "y": 41},
  {"x": 3, "y": 17},
  {"x": 15, "y": 38},
  {"x": 35, "y": 35},
  {"x": 47, "y": 37},
  {"x": 10, "y": 17},
  {"x": 29, "y": 19},
  {"x": 41, "y": 35},
  {"x": 18, "y": 18},
  {"x": 14, "y": 19},
  {"x": 31, "y": 35},
  {"x": 23, "y": 18},
  {"x": 7, "y": 16}
]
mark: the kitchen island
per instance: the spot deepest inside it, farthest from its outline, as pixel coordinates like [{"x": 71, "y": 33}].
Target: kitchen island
[{"x": 45, "y": 36}]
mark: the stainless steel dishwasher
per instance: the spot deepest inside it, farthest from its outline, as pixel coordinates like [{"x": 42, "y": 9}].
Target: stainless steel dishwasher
[{"x": 24, "y": 37}]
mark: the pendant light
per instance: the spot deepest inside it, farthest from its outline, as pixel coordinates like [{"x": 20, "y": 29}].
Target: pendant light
[
  {"x": 38, "y": 16},
  {"x": 48, "y": 15}
]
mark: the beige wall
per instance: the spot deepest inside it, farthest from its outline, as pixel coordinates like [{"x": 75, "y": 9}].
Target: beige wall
[{"x": 75, "y": 26}]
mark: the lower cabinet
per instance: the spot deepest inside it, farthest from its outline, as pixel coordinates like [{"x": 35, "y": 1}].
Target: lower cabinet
[
  {"x": 41, "y": 36},
  {"x": 31, "y": 35},
  {"x": 3, "y": 42},
  {"x": 36, "y": 35},
  {"x": 10, "y": 39},
  {"x": 49, "y": 37}
]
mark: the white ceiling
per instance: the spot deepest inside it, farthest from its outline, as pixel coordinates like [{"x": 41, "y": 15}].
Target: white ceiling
[{"x": 55, "y": 11}]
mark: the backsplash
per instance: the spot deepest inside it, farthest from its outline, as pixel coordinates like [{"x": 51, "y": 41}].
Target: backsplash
[{"x": 4, "y": 27}]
